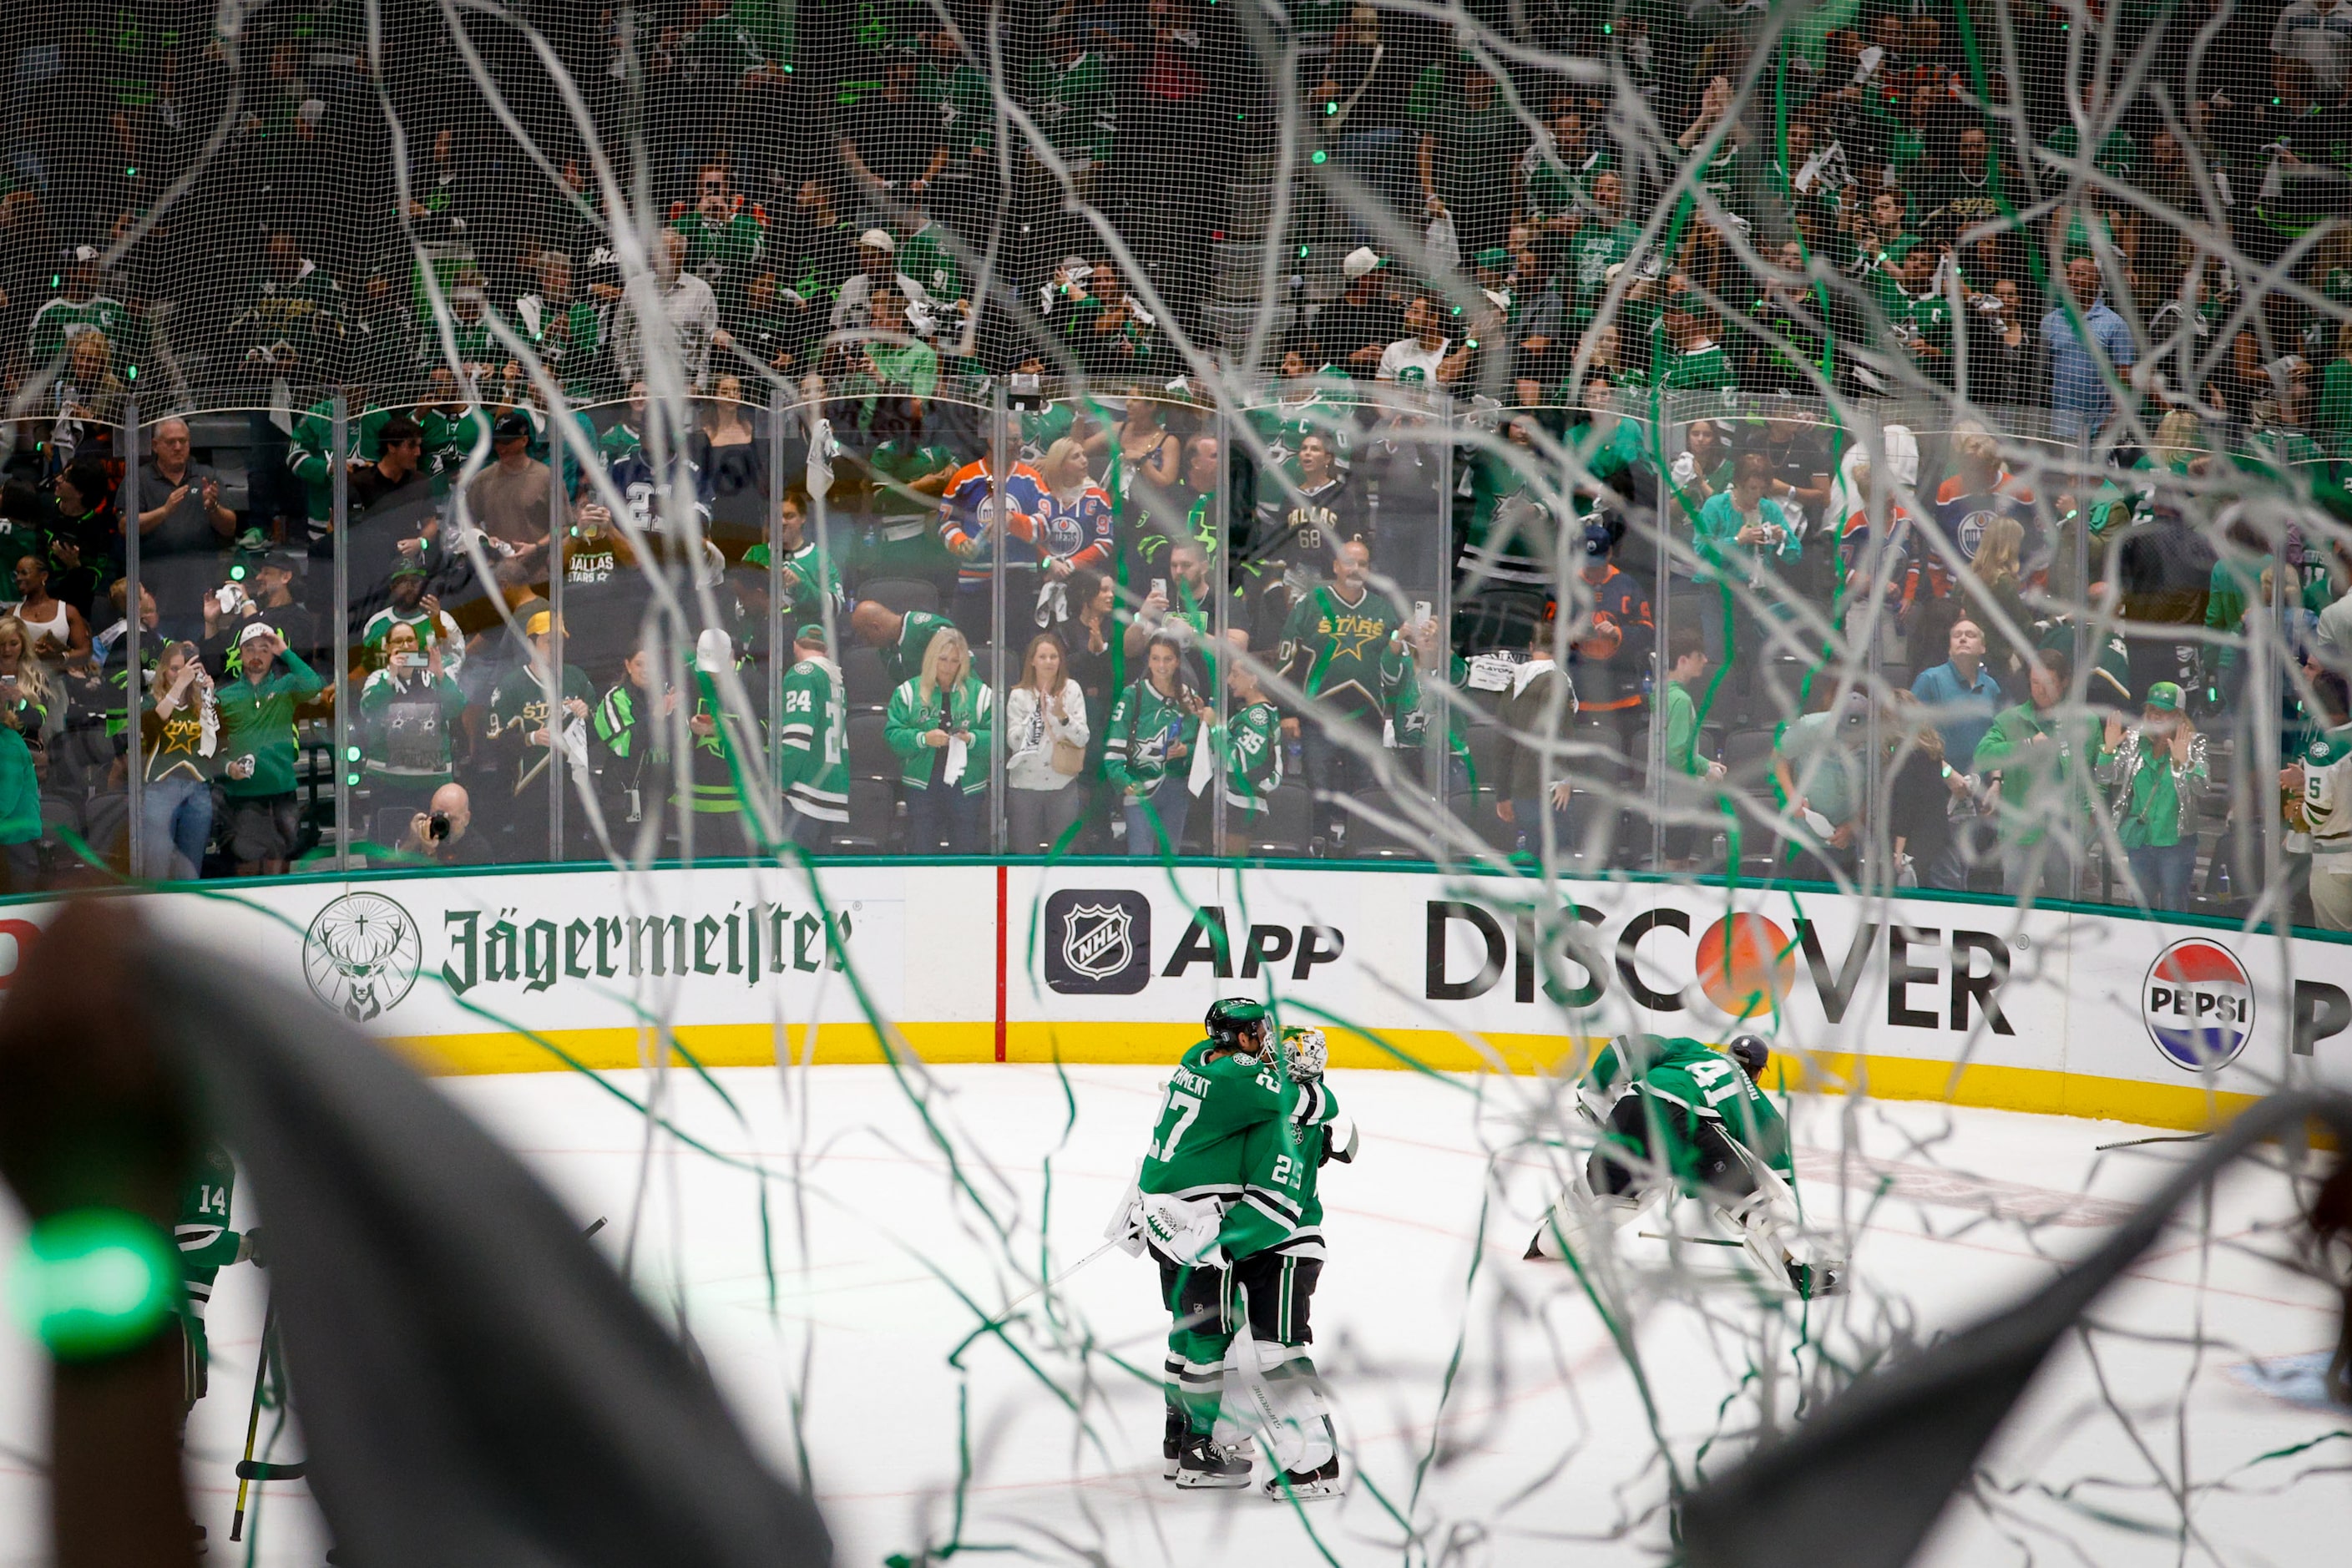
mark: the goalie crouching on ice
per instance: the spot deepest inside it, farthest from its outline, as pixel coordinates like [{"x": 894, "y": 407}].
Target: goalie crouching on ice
[
  {"x": 1226, "y": 1198},
  {"x": 1676, "y": 1110}
]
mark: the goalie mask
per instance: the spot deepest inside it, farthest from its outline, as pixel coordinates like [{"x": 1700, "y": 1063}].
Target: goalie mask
[{"x": 1304, "y": 1053}]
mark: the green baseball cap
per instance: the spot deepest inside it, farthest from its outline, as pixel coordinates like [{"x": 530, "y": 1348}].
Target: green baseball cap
[
  {"x": 1493, "y": 256},
  {"x": 2165, "y": 696},
  {"x": 812, "y": 633}
]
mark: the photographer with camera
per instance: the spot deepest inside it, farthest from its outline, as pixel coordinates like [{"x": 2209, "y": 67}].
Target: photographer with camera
[{"x": 441, "y": 833}]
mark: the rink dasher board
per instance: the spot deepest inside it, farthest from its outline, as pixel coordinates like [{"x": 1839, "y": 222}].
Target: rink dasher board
[{"x": 1974, "y": 1002}]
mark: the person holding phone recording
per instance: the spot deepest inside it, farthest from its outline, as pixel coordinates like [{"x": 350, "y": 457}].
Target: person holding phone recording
[
  {"x": 1147, "y": 755},
  {"x": 180, "y": 744}
]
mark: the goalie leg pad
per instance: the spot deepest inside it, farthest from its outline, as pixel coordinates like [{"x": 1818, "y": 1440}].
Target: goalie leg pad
[{"x": 1292, "y": 1413}]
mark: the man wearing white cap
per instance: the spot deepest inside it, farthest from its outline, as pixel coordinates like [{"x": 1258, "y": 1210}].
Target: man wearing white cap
[
  {"x": 256, "y": 737},
  {"x": 1359, "y": 324},
  {"x": 79, "y": 309},
  {"x": 878, "y": 266}
]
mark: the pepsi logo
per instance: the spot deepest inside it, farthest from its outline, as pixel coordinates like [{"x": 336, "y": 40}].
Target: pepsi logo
[{"x": 2198, "y": 1005}]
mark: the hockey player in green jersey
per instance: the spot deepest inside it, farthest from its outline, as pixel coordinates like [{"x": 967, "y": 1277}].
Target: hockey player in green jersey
[
  {"x": 1682, "y": 1118},
  {"x": 206, "y": 1247},
  {"x": 811, "y": 756},
  {"x": 1273, "y": 1236},
  {"x": 1194, "y": 1171}
]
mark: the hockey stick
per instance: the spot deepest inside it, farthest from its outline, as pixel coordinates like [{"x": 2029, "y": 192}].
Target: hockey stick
[
  {"x": 2136, "y": 1143},
  {"x": 1694, "y": 1240},
  {"x": 1022, "y": 1300},
  {"x": 249, "y": 1469},
  {"x": 247, "y": 1472}
]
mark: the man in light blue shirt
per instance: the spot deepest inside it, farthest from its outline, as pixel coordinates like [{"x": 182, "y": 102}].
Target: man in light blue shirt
[
  {"x": 2079, "y": 404},
  {"x": 1961, "y": 694}
]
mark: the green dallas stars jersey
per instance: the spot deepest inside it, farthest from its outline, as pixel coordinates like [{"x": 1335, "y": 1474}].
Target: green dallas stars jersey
[
  {"x": 811, "y": 579},
  {"x": 1143, "y": 725},
  {"x": 206, "y": 1247},
  {"x": 1073, "y": 106},
  {"x": 1283, "y": 424},
  {"x": 1281, "y": 1206},
  {"x": 1697, "y": 369},
  {"x": 59, "y": 323},
  {"x": 927, "y": 256},
  {"x": 1591, "y": 252},
  {"x": 903, "y": 660},
  {"x": 311, "y": 457},
  {"x": 1252, "y": 746},
  {"x": 811, "y": 745},
  {"x": 1199, "y": 1143},
  {"x": 1343, "y": 655},
  {"x": 1687, "y": 1082}
]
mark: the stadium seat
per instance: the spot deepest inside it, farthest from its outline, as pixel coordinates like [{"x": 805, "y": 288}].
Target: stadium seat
[
  {"x": 1285, "y": 827},
  {"x": 873, "y": 816},
  {"x": 863, "y": 680},
  {"x": 870, "y": 756},
  {"x": 901, "y": 593}
]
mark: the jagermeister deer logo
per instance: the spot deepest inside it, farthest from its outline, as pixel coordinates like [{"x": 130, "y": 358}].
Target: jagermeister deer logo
[{"x": 361, "y": 954}]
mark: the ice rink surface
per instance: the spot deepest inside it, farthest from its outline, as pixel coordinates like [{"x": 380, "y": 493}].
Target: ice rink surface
[{"x": 1480, "y": 1397}]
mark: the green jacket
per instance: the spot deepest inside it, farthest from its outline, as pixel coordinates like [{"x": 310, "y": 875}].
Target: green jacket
[
  {"x": 912, "y": 715},
  {"x": 2046, "y": 772},
  {"x": 257, "y": 720}
]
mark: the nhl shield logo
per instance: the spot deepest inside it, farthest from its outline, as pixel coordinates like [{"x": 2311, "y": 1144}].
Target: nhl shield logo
[{"x": 1098, "y": 941}]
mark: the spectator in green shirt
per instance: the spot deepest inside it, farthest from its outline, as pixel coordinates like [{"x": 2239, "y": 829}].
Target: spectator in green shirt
[
  {"x": 2046, "y": 760},
  {"x": 258, "y": 742},
  {"x": 1687, "y": 772},
  {"x": 2155, "y": 772}
]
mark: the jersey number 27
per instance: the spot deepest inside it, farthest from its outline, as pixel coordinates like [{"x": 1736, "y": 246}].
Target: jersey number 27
[{"x": 1184, "y": 1107}]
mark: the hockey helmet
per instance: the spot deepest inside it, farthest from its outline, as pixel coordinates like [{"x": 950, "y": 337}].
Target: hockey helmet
[
  {"x": 1751, "y": 1053},
  {"x": 1236, "y": 1023},
  {"x": 1305, "y": 1052}
]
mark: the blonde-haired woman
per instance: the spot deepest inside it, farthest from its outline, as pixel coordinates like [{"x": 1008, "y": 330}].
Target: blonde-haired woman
[
  {"x": 1046, "y": 736},
  {"x": 2179, "y": 439},
  {"x": 24, "y": 702},
  {"x": 179, "y": 730},
  {"x": 940, "y": 724},
  {"x": 2000, "y": 575}
]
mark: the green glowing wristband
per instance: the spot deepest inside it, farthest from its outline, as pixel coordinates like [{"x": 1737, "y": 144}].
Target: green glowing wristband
[{"x": 94, "y": 1283}]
